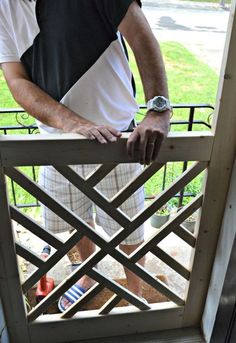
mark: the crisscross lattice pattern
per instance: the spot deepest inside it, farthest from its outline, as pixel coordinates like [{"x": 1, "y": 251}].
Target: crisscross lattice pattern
[{"x": 105, "y": 247}]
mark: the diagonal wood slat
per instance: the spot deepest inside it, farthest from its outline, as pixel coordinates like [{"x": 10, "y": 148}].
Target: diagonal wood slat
[
  {"x": 35, "y": 228},
  {"x": 167, "y": 228},
  {"x": 171, "y": 262},
  {"x": 110, "y": 304},
  {"x": 52, "y": 261},
  {"x": 96, "y": 176},
  {"x": 166, "y": 195},
  {"x": 146, "y": 276},
  {"x": 119, "y": 289},
  {"x": 98, "y": 198},
  {"x": 135, "y": 184},
  {"x": 185, "y": 235},
  {"x": 89, "y": 295},
  {"x": 28, "y": 255}
]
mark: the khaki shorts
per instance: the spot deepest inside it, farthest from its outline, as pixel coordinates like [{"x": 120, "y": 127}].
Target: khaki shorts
[{"x": 62, "y": 190}]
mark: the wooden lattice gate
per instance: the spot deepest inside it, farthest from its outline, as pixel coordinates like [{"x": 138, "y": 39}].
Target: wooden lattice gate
[
  {"x": 31, "y": 151},
  {"x": 65, "y": 150}
]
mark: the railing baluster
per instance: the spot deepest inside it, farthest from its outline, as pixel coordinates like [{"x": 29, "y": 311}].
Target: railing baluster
[{"x": 35, "y": 228}]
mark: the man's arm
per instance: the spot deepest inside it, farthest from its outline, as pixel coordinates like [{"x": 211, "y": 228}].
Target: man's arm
[
  {"x": 47, "y": 110},
  {"x": 148, "y": 136}
]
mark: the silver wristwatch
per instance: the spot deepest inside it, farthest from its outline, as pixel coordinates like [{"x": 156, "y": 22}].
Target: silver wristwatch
[{"x": 159, "y": 104}]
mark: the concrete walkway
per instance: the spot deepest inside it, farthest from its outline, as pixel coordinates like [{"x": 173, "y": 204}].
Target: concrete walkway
[
  {"x": 186, "y": 4},
  {"x": 200, "y": 27}
]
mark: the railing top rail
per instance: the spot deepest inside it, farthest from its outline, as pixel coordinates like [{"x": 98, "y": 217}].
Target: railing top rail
[
  {"x": 74, "y": 149},
  {"x": 77, "y": 137}
]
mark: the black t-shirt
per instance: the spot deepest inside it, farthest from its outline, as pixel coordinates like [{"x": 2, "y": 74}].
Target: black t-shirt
[{"x": 73, "y": 51}]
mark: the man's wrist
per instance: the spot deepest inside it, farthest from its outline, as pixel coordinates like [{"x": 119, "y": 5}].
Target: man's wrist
[{"x": 166, "y": 113}]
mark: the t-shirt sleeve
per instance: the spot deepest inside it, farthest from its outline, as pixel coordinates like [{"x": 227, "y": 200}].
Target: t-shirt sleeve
[
  {"x": 8, "y": 48},
  {"x": 115, "y": 10}
]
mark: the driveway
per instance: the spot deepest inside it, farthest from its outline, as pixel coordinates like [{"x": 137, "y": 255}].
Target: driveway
[{"x": 200, "y": 27}]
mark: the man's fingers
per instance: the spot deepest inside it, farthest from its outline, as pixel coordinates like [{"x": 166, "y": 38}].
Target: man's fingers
[
  {"x": 150, "y": 148},
  {"x": 158, "y": 143},
  {"x": 102, "y": 134},
  {"x": 107, "y": 134},
  {"x": 142, "y": 149},
  {"x": 114, "y": 131},
  {"x": 86, "y": 134},
  {"x": 99, "y": 137},
  {"x": 132, "y": 143}
]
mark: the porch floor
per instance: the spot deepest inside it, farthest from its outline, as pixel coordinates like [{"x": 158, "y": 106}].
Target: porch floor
[{"x": 188, "y": 335}]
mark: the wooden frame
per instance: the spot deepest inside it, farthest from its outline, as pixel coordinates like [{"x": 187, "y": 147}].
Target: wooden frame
[
  {"x": 11, "y": 149},
  {"x": 10, "y": 288},
  {"x": 90, "y": 325},
  {"x": 67, "y": 149}
]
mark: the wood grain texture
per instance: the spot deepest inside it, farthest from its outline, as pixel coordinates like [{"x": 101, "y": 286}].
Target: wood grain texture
[{"x": 69, "y": 149}]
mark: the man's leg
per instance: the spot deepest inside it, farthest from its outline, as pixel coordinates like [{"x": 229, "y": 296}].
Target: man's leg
[
  {"x": 134, "y": 283},
  {"x": 85, "y": 248},
  {"x": 58, "y": 187}
]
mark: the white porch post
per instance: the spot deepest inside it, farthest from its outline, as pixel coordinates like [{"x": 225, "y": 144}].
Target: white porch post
[{"x": 217, "y": 185}]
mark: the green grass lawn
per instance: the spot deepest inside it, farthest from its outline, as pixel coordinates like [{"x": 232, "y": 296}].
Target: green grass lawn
[{"x": 190, "y": 81}]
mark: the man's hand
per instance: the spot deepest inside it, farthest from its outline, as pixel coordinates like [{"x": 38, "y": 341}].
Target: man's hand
[
  {"x": 102, "y": 133},
  {"x": 50, "y": 112},
  {"x": 145, "y": 141}
]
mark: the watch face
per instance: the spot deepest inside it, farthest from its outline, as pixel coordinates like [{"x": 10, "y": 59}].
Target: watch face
[{"x": 159, "y": 103}]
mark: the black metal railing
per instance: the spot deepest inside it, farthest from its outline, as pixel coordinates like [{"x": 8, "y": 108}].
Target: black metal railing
[{"x": 24, "y": 124}]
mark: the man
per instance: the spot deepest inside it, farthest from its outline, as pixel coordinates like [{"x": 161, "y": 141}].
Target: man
[{"x": 65, "y": 64}]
